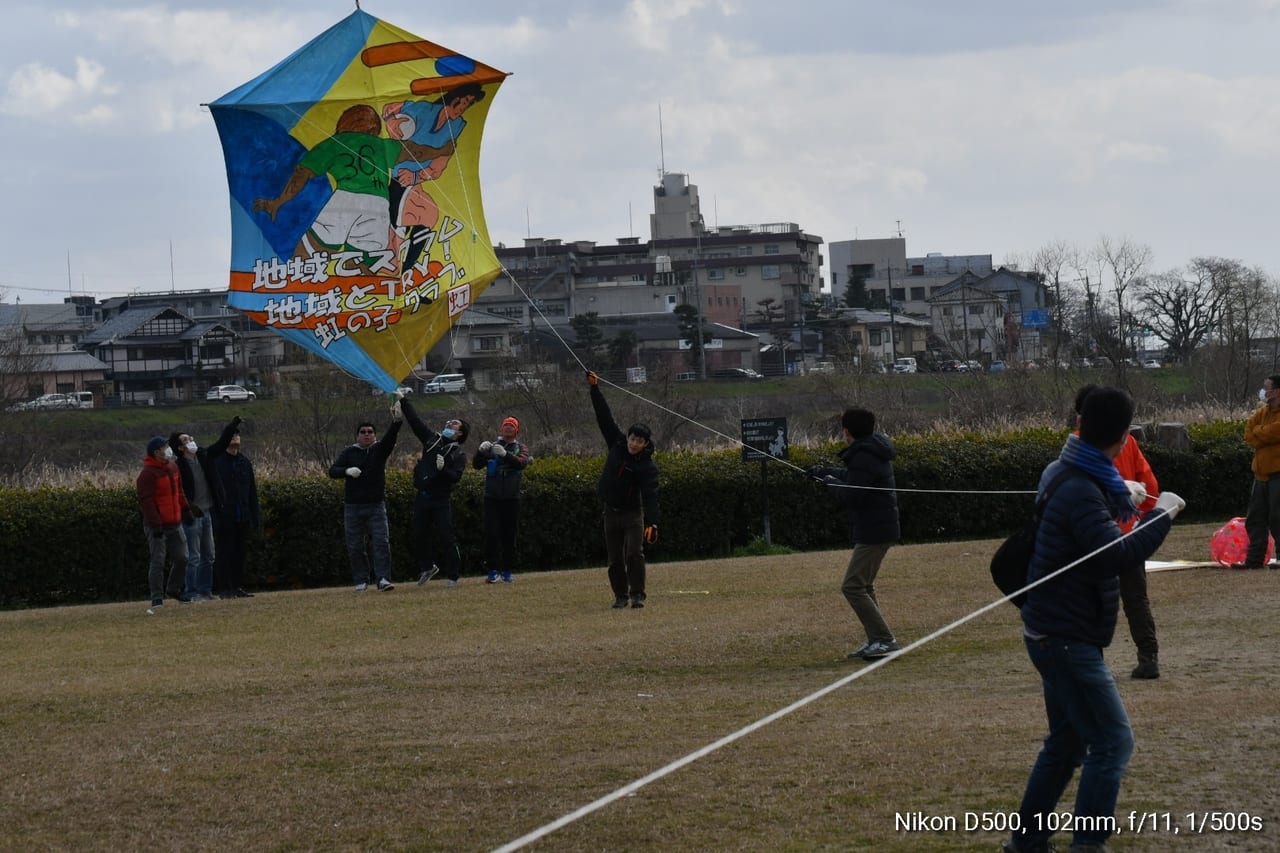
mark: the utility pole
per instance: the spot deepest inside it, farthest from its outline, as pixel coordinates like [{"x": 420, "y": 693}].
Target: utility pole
[{"x": 893, "y": 345}]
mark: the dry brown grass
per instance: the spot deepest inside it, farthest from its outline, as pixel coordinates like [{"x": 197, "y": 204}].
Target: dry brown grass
[{"x": 435, "y": 719}]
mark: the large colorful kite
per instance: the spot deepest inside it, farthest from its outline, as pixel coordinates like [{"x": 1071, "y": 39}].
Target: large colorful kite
[{"x": 357, "y": 229}]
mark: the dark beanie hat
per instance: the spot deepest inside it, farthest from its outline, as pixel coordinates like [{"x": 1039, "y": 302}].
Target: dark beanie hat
[{"x": 155, "y": 444}]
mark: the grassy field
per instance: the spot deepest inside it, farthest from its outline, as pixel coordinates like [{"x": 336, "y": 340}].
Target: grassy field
[{"x": 437, "y": 719}]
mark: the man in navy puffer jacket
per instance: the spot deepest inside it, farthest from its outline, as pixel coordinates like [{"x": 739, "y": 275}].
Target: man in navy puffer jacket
[{"x": 1069, "y": 619}]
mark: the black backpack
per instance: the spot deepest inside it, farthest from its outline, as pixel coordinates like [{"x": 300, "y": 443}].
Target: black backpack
[{"x": 1012, "y": 559}]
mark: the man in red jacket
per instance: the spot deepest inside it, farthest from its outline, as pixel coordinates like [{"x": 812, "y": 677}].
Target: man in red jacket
[{"x": 164, "y": 508}]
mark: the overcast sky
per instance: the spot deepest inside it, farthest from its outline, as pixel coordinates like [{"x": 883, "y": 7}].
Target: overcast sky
[{"x": 992, "y": 126}]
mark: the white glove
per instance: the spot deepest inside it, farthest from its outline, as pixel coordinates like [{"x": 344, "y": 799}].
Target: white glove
[
  {"x": 499, "y": 451},
  {"x": 1137, "y": 492},
  {"x": 401, "y": 394},
  {"x": 832, "y": 480},
  {"x": 439, "y": 463},
  {"x": 396, "y": 414},
  {"x": 353, "y": 472},
  {"x": 1170, "y": 503},
  {"x": 484, "y": 446}
]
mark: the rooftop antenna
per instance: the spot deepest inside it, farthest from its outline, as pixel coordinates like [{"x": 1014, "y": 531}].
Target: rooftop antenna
[
  {"x": 68, "y": 272},
  {"x": 172, "y": 285},
  {"x": 631, "y": 226},
  {"x": 528, "y": 229},
  {"x": 662, "y": 151},
  {"x": 899, "y": 221}
]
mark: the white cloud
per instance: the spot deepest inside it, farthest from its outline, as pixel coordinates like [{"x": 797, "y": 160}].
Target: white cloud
[
  {"x": 37, "y": 90},
  {"x": 1136, "y": 152}
]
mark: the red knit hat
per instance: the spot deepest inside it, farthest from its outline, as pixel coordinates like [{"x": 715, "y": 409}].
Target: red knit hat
[{"x": 513, "y": 423}]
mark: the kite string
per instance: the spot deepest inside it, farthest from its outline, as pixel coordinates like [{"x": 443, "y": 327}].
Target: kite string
[
  {"x": 670, "y": 768},
  {"x": 732, "y": 439}
]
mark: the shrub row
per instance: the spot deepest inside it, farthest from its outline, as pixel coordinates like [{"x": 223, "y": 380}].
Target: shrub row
[{"x": 86, "y": 544}]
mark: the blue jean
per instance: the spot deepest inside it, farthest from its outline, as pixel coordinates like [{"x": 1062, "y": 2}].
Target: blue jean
[
  {"x": 200, "y": 555},
  {"x": 1087, "y": 726},
  {"x": 359, "y": 520}
]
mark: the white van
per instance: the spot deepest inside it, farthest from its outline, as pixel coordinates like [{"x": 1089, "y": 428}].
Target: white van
[
  {"x": 445, "y": 383},
  {"x": 904, "y": 365}
]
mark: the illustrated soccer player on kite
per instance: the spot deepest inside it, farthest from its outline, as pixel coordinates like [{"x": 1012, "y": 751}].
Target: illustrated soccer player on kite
[
  {"x": 436, "y": 124},
  {"x": 358, "y": 161}
]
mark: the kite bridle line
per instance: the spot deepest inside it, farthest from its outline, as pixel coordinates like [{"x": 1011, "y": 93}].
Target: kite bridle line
[{"x": 534, "y": 307}]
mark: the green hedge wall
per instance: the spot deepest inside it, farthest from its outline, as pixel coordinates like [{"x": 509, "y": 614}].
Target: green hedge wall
[{"x": 86, "y": 544}]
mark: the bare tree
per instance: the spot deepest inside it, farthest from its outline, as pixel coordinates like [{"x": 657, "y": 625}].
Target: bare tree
[
  {"x": 1124, "y": 260},
  {"x": 1181, "y": 309}
]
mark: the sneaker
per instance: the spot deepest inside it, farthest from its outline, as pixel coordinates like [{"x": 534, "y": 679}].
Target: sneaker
[
  {"x": 226, "y": 595},
  {"x": 243, "y": 593},
  {"x": 620, "y": 602},
  {"x": 493, "y": 576},
  {"x": 879, "y": 649},
  {"x": 361, "y": 587},
  {"x": 506, "y": 577},
  {"x": 452, "y": 584},
  {"x": 181, "y": 596},
  {"x": 637, "y": 601},
  {"x": 859, "y": 652},
  {"x": 385, "y": 585},
  {"x": 428, "y": 575},
  {"x": 157, "y": 602}
]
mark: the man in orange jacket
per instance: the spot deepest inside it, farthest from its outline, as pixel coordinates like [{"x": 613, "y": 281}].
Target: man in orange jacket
[
  {"x": 164, "y": 508},
  {"x": 1133, "y": 467},
  {"x": 1262, "y": 433}
]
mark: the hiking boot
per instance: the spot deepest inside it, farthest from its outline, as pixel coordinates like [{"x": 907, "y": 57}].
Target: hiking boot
[
  {"x": 637, "y": 601},
  {"x": 385, "y": 585},
  {"x": 506, "y": 577},
  {"x": 428, "y": 575},
  {"x": 1148, "y": 667},
  {"x": 879, "y": 649},
  {"x": 241, "y": 592},
  {"x": 620, "y": 602},
  {"x": 361, "y": 587},
  {"x": 493, "y": 576},
  {"x": 859, "y": 652}
]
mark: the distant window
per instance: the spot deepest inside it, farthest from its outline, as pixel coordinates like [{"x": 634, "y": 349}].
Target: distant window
[
  {"x": 976, "y": 309},
  {"x": 739, "y": 271},
  {"x": 771, "y": 248},
  {"x": 977, "y": 334},
  {"x": 864, "y": 270},
  {"x": 488, "y": 343},
  {"x": 899, "y": 294},
  {"x": 715, "y": 275},
  {"x": 946, "y": 310},
  {"x": 917, "y": 293},
  {"x": 744, "y": 250},
  {"x": 770, "y": 271},
  {"x": 917, "y": 269},
  {"x": 874, "y": 334}
]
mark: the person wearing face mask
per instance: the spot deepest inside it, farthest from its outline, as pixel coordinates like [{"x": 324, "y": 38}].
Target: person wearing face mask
[
  {"x": 434, "y": 476},
  {"x": 362, "y": 467},
  {"x": 503, "y": 461},
  {"x": 197, "y": 484},
  {"x": 164, "y": 508},
  {"x": 1262, "y": 433},
  {"x": 236, "y": 514},
  {"x": 628, "y": 488}
]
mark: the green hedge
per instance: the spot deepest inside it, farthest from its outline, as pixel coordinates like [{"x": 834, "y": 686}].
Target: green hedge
[{"x": 86, "y": 544}]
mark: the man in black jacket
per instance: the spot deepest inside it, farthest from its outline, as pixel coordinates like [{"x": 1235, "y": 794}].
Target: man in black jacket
[
  {"x": 363, "y": 469},
  {"x": 434, "y": 476},
  {"x": 199, "y": 485},
  {"x": 236, "y": 514},
  {"x": 867, "y": 489},
  {"x": 629, "y": 490}
]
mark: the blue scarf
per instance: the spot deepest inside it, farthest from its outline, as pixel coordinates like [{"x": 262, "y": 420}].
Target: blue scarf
[{"x": 1101, "y": 468}]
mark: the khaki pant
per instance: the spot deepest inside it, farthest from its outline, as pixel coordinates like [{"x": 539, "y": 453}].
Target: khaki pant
[{"x": 860, "y": 590}]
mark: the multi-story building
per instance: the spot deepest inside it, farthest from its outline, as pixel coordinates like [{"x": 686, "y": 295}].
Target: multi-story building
[
  {"x": 751, "y": 277},
  {"x": 887, "y": 273}
]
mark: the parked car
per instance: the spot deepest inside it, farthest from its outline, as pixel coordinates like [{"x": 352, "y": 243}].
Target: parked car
[
  {"x": 686, "y": 377},
  {"x": 906, "y": 364},
  {"x": 230, "y": 393},
  {"x": 48, "y": 402},
  {"x": 1152, "y": 364},
  {"x": 736, "y": 373},
  {"x": 996, "y": 367},
  {"x": 445, "y": 383}
]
